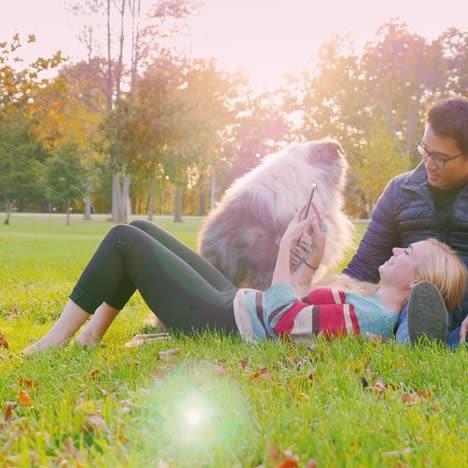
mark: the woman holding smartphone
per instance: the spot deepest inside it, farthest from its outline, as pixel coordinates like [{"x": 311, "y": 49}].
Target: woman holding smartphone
[{"x": 189, "y": 294}]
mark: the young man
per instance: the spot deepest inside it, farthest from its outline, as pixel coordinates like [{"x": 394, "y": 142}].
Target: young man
[{"x": 430, "y": 201}]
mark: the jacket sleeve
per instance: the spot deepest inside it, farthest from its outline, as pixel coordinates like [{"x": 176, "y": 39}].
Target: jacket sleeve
[{"x": 380, "y": 237}]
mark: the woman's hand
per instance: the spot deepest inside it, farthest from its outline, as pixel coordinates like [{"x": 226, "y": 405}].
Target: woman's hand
[
  {"x": 295, "y": 228},
  {"x": 314, "y": 224}
]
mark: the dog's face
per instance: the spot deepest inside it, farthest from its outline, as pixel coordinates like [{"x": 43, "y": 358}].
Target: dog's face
[{"x": 326, "y": 156}]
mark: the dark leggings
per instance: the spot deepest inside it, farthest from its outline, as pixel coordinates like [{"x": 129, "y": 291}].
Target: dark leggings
[{"x": 184, "y": 290}]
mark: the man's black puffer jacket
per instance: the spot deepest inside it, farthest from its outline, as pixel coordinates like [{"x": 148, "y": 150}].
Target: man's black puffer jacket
[{"x": 405, "y": 214}]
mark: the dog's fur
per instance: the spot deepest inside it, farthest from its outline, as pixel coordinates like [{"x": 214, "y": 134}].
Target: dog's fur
[{"x": 241, "y": 236}]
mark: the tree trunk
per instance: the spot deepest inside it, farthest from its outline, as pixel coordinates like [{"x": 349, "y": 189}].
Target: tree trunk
[
  {"x": 8, "y": 209},
  {"x": 120, "y": 198},
  {"x": 150, "y": 202},
  {"x": 178, "y": 204},
  {"x": 201, "y": 202},
  {"x": 213, "y": 192},
  {"x": 116, "y": 196},
  {"x": 125, "y": 202},
  {"x": 87, "y": 210}
]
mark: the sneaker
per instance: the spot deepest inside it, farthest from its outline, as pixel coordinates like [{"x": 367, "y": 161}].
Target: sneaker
[{"x": 427, "y": 314}]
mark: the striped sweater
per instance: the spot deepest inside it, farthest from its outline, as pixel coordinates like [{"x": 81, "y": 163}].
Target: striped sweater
[{"x": 280, "y": 313}]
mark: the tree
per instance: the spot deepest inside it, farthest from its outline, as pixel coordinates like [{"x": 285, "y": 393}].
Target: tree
[
  {"x": 117, "y": 64},
  {"x": 70, "y": 109},
  {"x": 379, "y": 162},
  {"x": 20, "y": 162},
  {"x": 402, "y": 71},
  {"x": 454, "y": 44},
  {"x": 65, "y": 177},
  {"x": 18, "y": 83}
]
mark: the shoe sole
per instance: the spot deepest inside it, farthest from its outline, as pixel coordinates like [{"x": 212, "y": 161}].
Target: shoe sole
[{"x": 427, "y": 315}]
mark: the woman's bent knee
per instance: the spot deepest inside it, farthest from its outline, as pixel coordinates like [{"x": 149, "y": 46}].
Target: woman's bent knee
[{"x": 142, "y": 224}]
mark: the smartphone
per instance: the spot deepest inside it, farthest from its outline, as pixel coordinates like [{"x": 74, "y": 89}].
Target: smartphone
[
  {"x": 306, "y": 211},
  {"x": 309, "y": 201}
]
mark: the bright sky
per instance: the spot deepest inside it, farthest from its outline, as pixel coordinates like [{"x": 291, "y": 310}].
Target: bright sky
[{"x": 267, "y": 38}]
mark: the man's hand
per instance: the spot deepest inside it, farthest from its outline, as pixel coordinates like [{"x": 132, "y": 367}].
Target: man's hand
[{"x": 463, "y": 330}]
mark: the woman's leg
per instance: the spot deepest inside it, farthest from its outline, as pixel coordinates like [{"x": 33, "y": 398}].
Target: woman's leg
[
  {"x": 98, "y": 325},
  {"x": 129, "y": 259},
  {"x": 65, "y": 327},
  {"x": 192, "y": 258}
]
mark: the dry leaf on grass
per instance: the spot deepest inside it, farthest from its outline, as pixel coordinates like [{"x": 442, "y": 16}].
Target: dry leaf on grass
[
  {"x": 14, "y": 311},
  {"x": 139, "y": 340},
  {"x": 220, "y": 370},
  {"x": 263, "y": 374},
  {"x": 245, "y": 362},
  {"x": 9, "y": 410},
  {"x": 398, "y": 453},
  {"x": 285, "y": 460},
  {"x": 24, "y": 382},
  {"x": 416, "y": 397},
  {"x": 24, "y": 398},
  {"x": 168, "y": 353},
  {"x": 94, "y": 422},
  {"x": 4, "y": 342}
]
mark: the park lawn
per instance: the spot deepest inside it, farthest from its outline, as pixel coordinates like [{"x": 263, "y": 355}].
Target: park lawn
[{"x": 211, "y": 400}]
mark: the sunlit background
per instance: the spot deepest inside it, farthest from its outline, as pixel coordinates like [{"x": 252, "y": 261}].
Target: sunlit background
[
  {"x": 215, "y": 86},
  {"x": 267, "y": 38}
]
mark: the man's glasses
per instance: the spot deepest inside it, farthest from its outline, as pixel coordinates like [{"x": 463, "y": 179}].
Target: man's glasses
[{"x": 439, "y": 159}]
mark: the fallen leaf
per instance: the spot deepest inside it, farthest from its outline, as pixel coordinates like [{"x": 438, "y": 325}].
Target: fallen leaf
[
  {"x": 378, "y": 387},
  {"x": 71, "y": 449},
  {"x": 415, "y": 397},
  {"x": 262, "y": 373},
  {"x": 273, "y": 453},
  {"x": 245, "y": 362},
  {"x": 94, "y": 422},
  {"x": 14, "y": 311},
  {"x": 28, "y": 383},
  {"x": 159, "y": 373},
  {"x": 139, "y": 340},
  {"x": 220, "y": 370},
  {"x": 168, "y": 353},
  {"x": 3, "y": 342},
  {"x": 312, "y": 463},
  {"x": 126, "y": 406},
  {"x": 94, "y": 373},
  {"x": 290, "y": 460},
  {"x": 24, "y": 398},
  {"x": 9, "y": 409},
  {"x": 398, "y": 453},
  {"x": 163, "y": 464}
]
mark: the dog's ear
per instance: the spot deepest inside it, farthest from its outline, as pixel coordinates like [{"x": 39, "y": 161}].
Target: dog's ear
[{"x": 334, "y": 148}]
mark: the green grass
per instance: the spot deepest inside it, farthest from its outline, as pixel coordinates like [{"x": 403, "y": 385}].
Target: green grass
[{"x": 219, "y": 401}]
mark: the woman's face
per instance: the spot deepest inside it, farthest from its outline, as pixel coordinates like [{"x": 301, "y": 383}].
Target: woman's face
[{"x": 399, "y": 268}]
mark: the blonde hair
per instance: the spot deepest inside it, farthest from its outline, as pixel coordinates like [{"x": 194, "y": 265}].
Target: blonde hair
[
  {"x": 446, "y": 271},
  {"x": 443, "y": 267}
]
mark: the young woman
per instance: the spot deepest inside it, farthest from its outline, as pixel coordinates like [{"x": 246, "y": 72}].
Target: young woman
[{"x": 189, "y": 294}]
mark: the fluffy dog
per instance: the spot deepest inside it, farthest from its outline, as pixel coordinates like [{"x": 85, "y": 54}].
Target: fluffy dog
[{"x": 240, "y": 237}]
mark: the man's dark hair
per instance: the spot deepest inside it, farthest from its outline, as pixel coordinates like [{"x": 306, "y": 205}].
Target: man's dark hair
[{"x": 449, "y": 118}]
